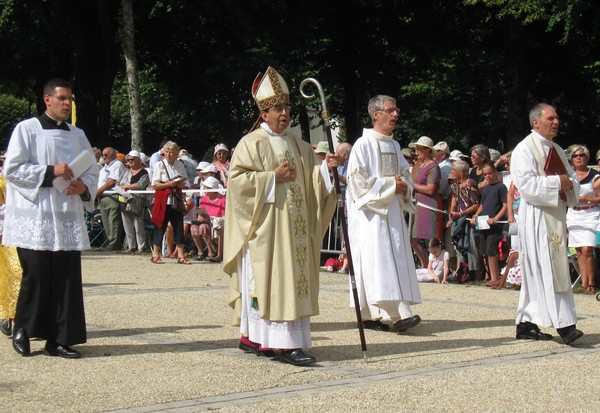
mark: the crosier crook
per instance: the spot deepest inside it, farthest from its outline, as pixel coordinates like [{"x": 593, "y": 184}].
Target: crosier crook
[{"x": 342, "y": 212}]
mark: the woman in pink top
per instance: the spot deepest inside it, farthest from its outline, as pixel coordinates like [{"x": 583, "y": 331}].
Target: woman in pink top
[{"x": 209, "y": 223}]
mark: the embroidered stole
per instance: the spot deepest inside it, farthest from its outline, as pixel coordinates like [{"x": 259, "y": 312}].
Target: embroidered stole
[{"x": 555, "y": 222}]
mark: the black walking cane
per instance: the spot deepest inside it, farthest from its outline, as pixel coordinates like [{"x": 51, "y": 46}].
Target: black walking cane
[{"x": 342, "y": 215}]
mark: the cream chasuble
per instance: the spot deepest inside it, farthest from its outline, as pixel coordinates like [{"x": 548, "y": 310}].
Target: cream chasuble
[{"x": 282, "y": 235}]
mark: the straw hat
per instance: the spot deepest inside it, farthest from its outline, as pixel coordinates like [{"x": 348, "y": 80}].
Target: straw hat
[
  {"x": 424, "y": 141},
  {"x": 442, "y": 146}
]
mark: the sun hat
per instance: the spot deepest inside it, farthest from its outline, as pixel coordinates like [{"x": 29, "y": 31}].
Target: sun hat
[
  {"x": 442, "y": 146},
  {"x": 322, "y": 147},
  {"x": 423, "y": 141},
  {"x": 202, "y": 165},
  {"x": 221, "y": 147},
  {"x": 211, "y": 182},
  {"x": 456, "y": 155},
  {"x": 133, "y": 153},
  {"x": 210, "y": 168},
  {"x": 494, "y": 155}
]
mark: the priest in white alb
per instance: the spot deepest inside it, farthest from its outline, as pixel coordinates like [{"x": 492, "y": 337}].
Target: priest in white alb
[
  {"x": 280, "y": 201},
  {"x": 46, "y": 223},
  {"x": 378, "y": 193},
  {"x": 546, "y": 297}
]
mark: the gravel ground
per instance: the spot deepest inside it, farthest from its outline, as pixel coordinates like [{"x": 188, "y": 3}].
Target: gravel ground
[{"x": 160, "y": 339}]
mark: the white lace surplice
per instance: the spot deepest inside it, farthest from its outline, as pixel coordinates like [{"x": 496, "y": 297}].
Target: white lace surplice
[{"x": 41, "y": 218}]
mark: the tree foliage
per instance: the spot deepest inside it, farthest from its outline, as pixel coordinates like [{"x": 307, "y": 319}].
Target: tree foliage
[{"x": 465, "y": 71}]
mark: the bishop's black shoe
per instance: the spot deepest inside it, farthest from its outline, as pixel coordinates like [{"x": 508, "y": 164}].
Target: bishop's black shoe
[
  {"x": 569, "y": 334},
  {"x": 530, "y": 331},
  {"x": 296, "y": 357},
  {"x": 407, "y": 323},
  {"x": 55, "y": 349},
  {"x": 375, "y": 325},
  {"x": 247, "y": 348},
  {"x": 20, "y": 342}
]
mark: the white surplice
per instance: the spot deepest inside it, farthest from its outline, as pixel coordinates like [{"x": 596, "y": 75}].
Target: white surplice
[
  {"x": 383, "y": 262},
  {"x": 539, "y": 300},
  {"x": 41, "y": 218}
]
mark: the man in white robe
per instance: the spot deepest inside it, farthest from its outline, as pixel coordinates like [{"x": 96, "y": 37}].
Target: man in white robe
[
  {"x": 546, "y": 297},
  {"x": 378, "y": 193},
  {"x": 47, "y": 226},
  {"x": 279, "y": 204}
]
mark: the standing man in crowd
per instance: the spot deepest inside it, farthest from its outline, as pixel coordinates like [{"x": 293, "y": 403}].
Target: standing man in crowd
[
  {"x": 343, "y": 152},
  {"x": 546, "y": 297},
  {"x": 279, "y": 204},
  {"x": 379, "y": 191},
  {"x": 109, "y": 204},
  {"x": 47, "y": 226}
]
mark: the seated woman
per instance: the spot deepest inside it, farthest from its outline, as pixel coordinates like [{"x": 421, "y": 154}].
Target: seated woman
[{"x": 209, "y": 225}]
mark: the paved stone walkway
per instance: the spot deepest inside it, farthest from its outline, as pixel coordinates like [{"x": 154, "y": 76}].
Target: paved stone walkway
[{"x": 160, "y": 340}]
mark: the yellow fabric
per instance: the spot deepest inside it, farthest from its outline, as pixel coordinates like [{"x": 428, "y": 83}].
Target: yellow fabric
[
  {"x": 284, "y": 237},
  {"x": 2, "y": 190},
  {"x": 10, "y": 281},
  {"x": 10, "y": 271}
]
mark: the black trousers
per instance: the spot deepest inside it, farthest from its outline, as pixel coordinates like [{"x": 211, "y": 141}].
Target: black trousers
[
  {"x": 176, "y": 220},
  {"x": 50, "y": 304}
]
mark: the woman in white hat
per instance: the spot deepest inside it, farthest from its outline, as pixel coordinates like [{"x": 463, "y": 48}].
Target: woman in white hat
[
  {"x": 221, "y": 162},
  {"x": 426, "y": 176},
  {"x": 135, "y": 177},
  {"x": 211, "y": 209}
]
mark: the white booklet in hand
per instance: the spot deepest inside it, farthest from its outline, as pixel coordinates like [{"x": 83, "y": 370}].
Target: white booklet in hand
[
  {"x": 78, "y": 165},
  {"x": 482, "y": 222}
]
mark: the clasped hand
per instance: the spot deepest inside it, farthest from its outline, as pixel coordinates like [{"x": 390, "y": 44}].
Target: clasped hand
[
  {"x": 401, "y": 186},
  {"x": 285, "y": 173},
  {"x": 76, "y": 187}
]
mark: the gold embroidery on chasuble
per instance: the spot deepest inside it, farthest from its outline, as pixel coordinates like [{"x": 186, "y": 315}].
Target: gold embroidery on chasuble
[{"x": 298, "y": 219}]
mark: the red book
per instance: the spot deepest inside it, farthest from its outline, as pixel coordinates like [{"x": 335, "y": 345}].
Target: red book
[{"x": 555, "y": 166}]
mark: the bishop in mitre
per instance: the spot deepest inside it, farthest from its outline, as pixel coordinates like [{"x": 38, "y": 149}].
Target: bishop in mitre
[{"x": 280, "y": 201}]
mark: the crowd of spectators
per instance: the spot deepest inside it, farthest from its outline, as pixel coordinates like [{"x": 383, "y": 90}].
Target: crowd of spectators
[
  {"x": 464, "y": 228},
  {"x": 135, "y": 200},
  {"x": 479, "y": 207}
]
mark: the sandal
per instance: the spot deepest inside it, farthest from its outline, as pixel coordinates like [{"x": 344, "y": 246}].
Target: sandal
[
  {"x": 591, "y": 289},
  {"x": 156, "y": 260},
  {"x": 200, "y": 258},
  {"x": 183, "y": 260}
]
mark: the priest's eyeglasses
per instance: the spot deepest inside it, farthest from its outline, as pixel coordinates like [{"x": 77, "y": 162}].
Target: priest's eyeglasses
[{"x": 391, "y": 111}]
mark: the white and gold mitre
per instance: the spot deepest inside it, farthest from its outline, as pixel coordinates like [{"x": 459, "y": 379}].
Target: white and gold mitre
[{"x": 269, "y": 89}]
